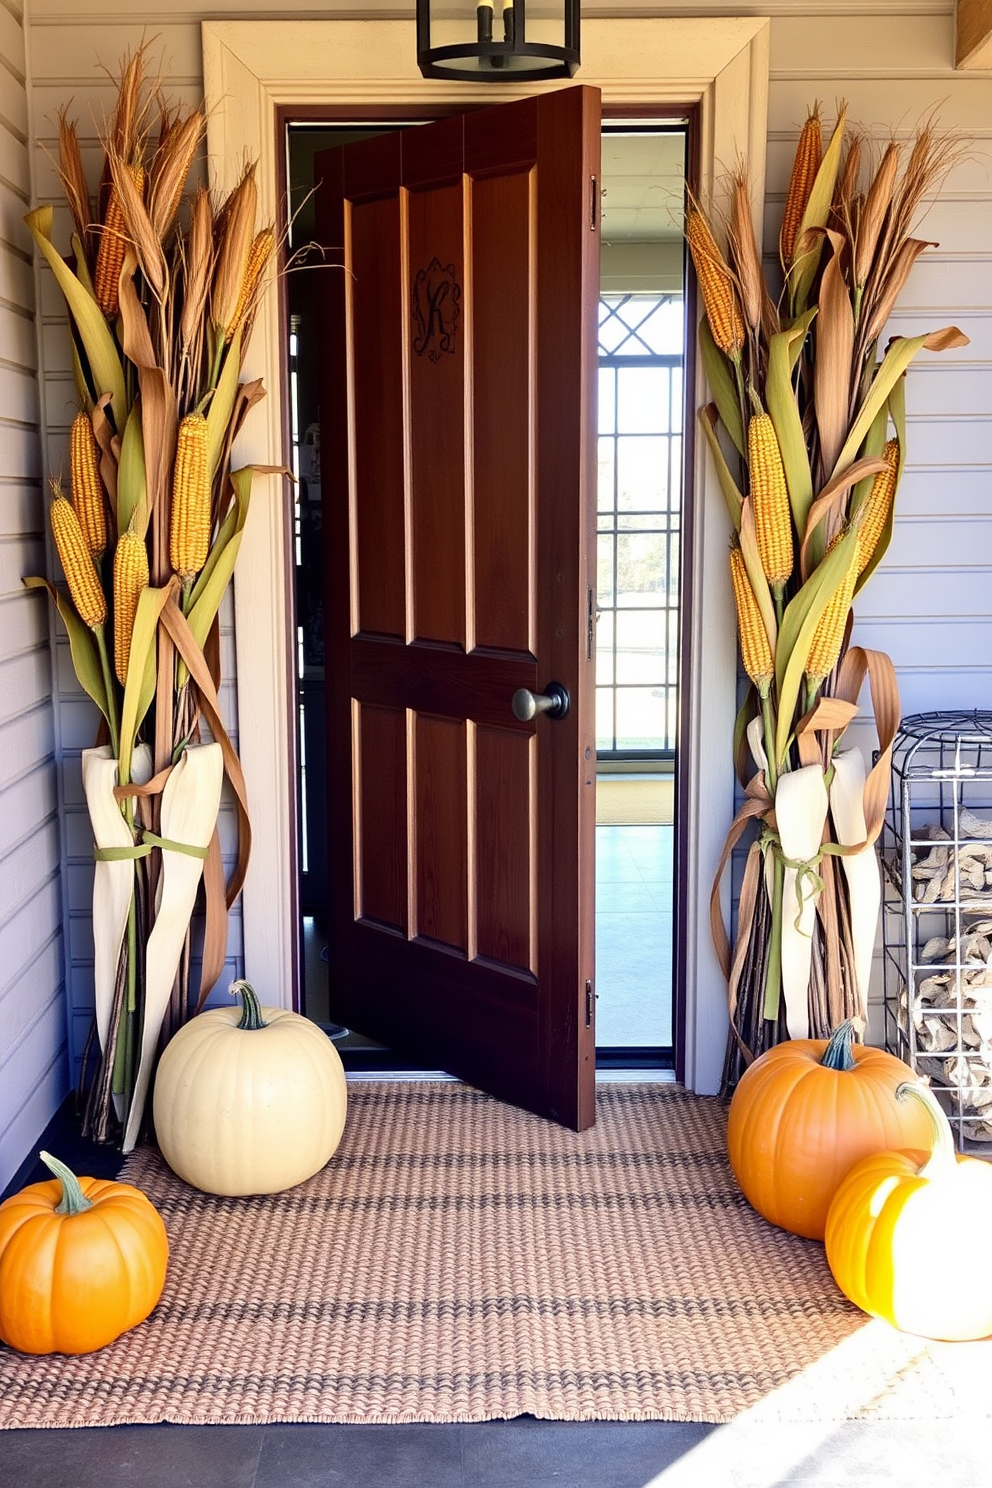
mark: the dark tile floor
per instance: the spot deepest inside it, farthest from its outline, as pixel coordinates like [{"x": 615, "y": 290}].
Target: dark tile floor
[{"x": 502, "y": 1454}]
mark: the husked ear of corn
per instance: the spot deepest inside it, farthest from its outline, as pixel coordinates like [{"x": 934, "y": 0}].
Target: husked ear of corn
[
  {"x": 809, "y": 154},
  {"x": 877, "y": 506},
  {"x": 829, "y": 634},
  {"x": 87, "y": 487},
  {"x": 770, "y": 498},
  {"x": 756, "y": 652},
  {"x": 258, "y": 256},
  {"x": 77, "y": 563},
  {"x": 113, "y": 244},
  {"x": 189, "y": 536},
  {"x": 130, "y": 577},
  {"x": 716, "y": 285}
]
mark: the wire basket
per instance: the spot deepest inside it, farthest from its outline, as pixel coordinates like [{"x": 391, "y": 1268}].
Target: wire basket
[{"x": 937, "y": 914}]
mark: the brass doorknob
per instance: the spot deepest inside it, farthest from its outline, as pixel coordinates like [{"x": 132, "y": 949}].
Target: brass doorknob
[{"x": 526, "y": 704}]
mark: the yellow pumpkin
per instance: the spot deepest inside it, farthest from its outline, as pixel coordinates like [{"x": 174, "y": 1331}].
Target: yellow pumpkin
[
  {"x": 82, "y": 1260},
  {"x": 804, "y": 1113},
  {"x": 249, "y": 1105},
  {"x": 898, "y": 1235}
]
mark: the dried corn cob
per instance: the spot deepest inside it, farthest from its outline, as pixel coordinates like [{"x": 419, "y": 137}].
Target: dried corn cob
[
  {"x": 756, "y": 652},
  {"x": 829, "y": 634},
  {"x": 877, "y": 506},
  {"x": 258, "y": 256},
  {"x": 87, "y": 487},
  {"x": 130, "y": 577},
  {"x": 716, "y": 285},
  {"x": 189, "y": 535},
  {"x": 809, "y": 153},
  {"x": 113, "y": 243},
  {"x": 770, "y": 497},
  {"x": 77, "y": 563}
]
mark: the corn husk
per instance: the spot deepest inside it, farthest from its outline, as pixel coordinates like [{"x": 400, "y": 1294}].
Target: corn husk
[
  {"x": 190, "y": 802},
  {"x": 861, "y": 869},
  {"x": 800, "y": 810},
  {"x": 113, "y": 882}
]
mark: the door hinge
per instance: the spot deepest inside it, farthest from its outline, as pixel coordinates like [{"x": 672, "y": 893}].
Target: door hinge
[
  {"x": 593, "y": 203},
  {"x": 590, "y": 626},
  {"x": 590, "y": 999}
]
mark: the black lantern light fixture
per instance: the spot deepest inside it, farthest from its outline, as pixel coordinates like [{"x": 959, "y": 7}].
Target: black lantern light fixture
[{"x": 497, "y": 41}]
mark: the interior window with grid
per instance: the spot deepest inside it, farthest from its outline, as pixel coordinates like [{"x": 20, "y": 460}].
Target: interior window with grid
[{"x": 639, "y": 523}]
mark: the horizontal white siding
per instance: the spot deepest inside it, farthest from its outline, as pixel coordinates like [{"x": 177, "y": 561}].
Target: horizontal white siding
[
  {"x": 892, "y": 60},
  {"x": 33, "y": 1063}
]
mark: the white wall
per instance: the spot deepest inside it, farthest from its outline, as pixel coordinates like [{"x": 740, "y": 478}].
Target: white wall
[
  {"x": 33, "y": 1064},
  {"x": 930, "y": 604}
]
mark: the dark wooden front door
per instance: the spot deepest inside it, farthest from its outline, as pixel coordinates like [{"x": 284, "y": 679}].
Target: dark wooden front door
[{"x": 458, "y": 479}]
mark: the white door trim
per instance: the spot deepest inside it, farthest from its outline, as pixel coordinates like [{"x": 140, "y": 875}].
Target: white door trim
[{"x": 252, "y": 68}]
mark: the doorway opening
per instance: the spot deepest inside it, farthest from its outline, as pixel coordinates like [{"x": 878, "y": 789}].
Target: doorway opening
[
  {"x": 639, "y": 537},
  {"x": 641, "y": 341}
]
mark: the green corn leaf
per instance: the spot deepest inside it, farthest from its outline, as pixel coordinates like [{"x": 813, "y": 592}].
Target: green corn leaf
[
  {"x": 756, "y": 574},
  {"x": 216, "y": 574},
  {"x": 82, "y": 646},
  {"x": 873, "y": 447},
  {"x": 897, "y": 409},
  {"x": 221, "y": 405},
  {"x": 731, "y": 492},
  {"x": 722, "y": 385},
  {"x": 106, "y": 372},
  {"x": 795, "y": 636},
  {"x": 79, "y": 378},
  {"x": 82, "y": 269},
  {"x": 139, "y": 689},
  {"x": 784, "y": 350},
  {"x": 132, "y": 489},
  {"x": 817, "y": 211},
  {"x": 898, "y": 357}
]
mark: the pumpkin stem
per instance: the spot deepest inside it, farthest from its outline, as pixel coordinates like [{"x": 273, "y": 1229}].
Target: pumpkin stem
[
  {"x": 251, "y": 1016},
  {"x": 73, "y": 1200},
  {"x": 942, "y": 1156},
  {"x": 839, "y": 1053}
]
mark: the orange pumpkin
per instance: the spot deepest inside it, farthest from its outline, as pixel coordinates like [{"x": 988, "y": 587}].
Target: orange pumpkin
[
  {"x": 804, "y": 1113},
  {"x": 81, "y": 1261},
  {"x": 895, "y": 1227}
]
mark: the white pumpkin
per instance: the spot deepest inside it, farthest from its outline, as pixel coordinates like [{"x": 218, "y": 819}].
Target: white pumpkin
[{"x": 249, "y": 1101}]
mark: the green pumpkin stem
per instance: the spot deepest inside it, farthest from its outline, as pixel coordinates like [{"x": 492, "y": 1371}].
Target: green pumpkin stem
[
  {"x": 839, "y": 1053},
  {"x": 251, "y": 1016},
  {"x": 73, "y": 1200},
  {"x": 942, "y": 1156}
]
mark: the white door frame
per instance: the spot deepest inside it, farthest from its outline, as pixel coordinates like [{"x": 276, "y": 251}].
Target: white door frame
[{"x": 253, "y": 68}]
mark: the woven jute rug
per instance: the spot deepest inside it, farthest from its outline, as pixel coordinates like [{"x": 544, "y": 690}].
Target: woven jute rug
[{"x": 459, "y": 1260}]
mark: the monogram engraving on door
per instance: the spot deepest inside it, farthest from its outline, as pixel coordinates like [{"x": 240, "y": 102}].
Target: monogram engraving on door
[{"x": 436, "y": 308}]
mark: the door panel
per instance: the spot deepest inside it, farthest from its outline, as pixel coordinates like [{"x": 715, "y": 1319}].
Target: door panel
[
  {"x": 503, "y": 209},
  {"x": 505, "y": 847},
  {"x": 458, "y": 482},
  {"x": 381, "y": 829},
  {"x": 379, "y": 473}
]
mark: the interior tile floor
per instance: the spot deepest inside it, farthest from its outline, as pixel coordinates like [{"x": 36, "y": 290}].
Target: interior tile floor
[{"x": 634, "y": 919}]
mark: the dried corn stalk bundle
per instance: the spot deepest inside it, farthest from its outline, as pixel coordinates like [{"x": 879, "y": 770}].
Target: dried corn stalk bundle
[
  {"x": 951, "y": 1017},
  {"x": 161, "y": 287},
  {"x": 807, "y": 431}
]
